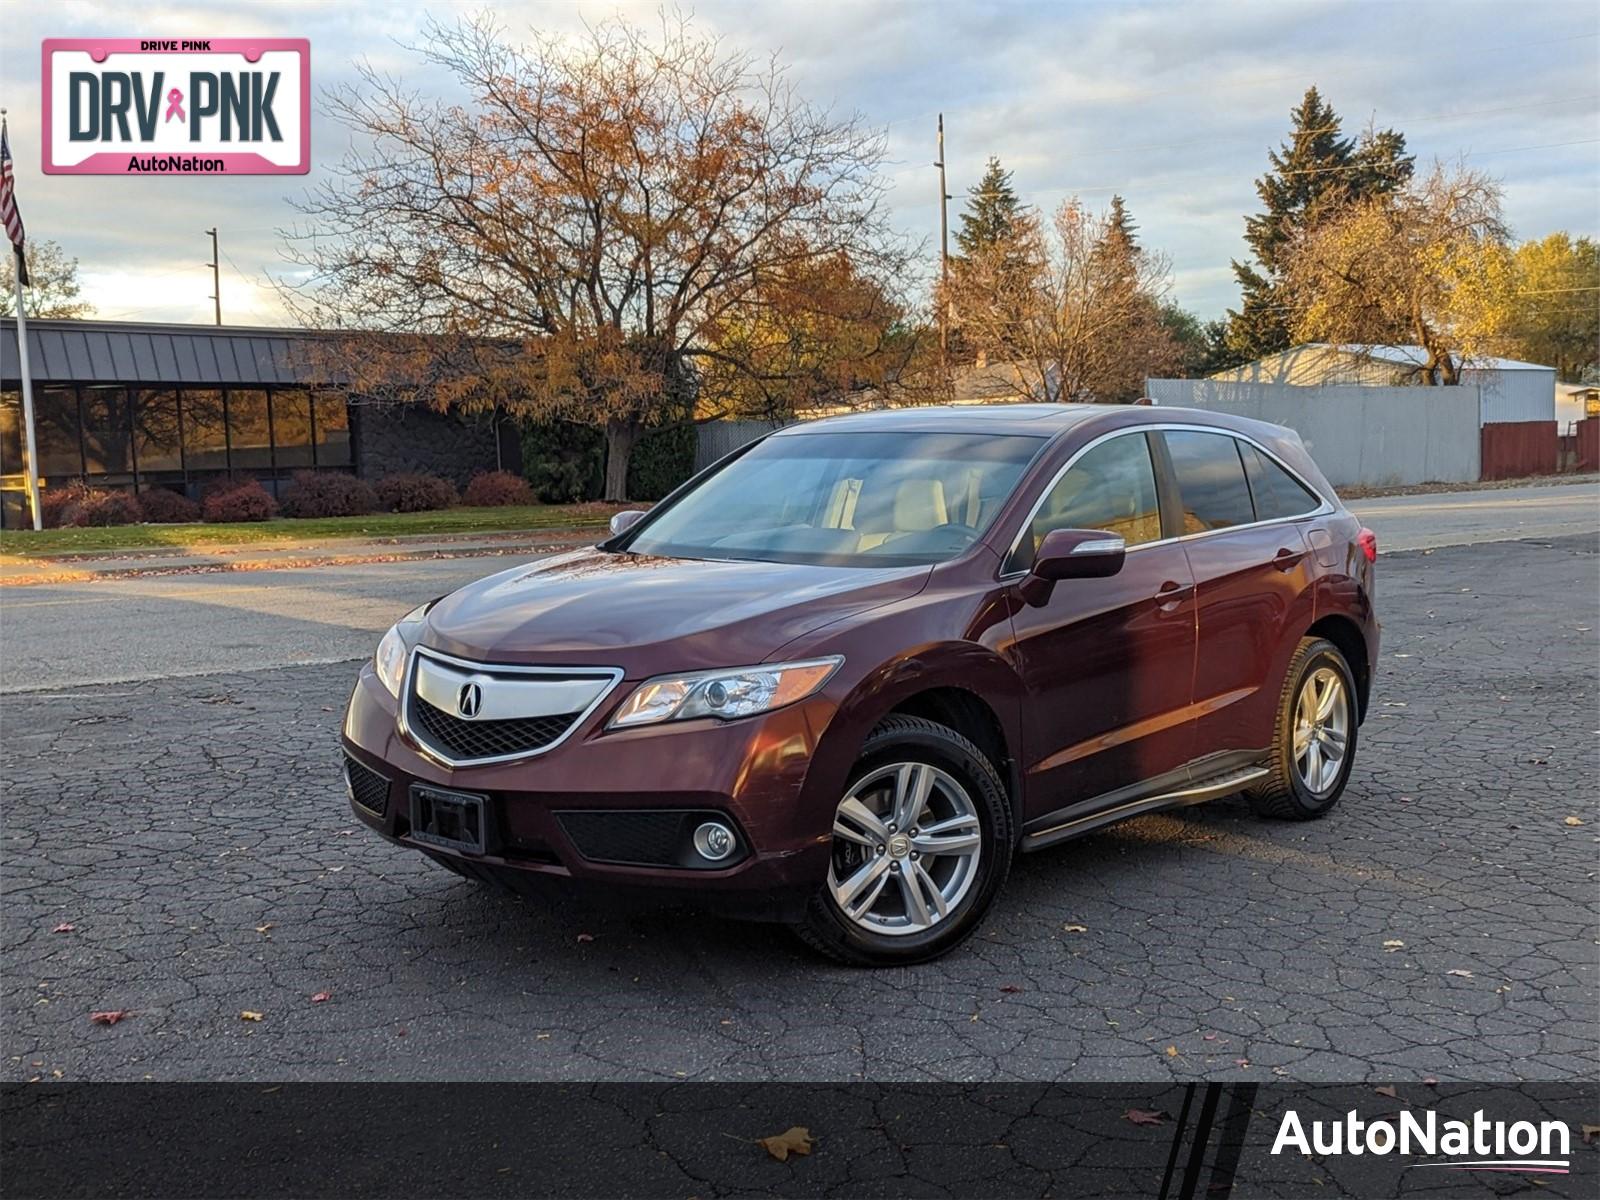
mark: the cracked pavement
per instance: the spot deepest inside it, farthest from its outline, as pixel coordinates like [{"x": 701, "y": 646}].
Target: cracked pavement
[{"x": 194, "y": 833}]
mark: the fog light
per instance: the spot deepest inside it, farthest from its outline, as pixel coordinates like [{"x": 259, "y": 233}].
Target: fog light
[{"x": 714, "y": 841}]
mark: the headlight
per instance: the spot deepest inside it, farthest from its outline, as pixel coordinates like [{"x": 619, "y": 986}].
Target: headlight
[
  {"x": 390, "y": 660},
  {"x": 725, "y": 694}
]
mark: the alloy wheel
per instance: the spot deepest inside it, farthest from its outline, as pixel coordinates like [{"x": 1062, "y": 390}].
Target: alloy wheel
[
  {"x": 906, "y": 842},
  {"x": 1321, "y": 729}
]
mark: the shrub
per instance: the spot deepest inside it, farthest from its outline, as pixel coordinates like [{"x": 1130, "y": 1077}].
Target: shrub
[
  {"x": 328, "y": 494},
  {"x": 495, "y": 489},
  {"x": 54, "y": 501},
  {"x": 565, "y": 462},
  {"x": 247, "y": 501},
  {"x": 415, "y": 492},
  {"x": 163, "y": 506},
  {"x": 661, "y": 460},
  {"x": 103, "y": 507}
]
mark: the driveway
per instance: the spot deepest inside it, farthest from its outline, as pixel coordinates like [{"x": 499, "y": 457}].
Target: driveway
[
  {"x": 188, "y": 835},
  {"x": 1490, "y": 514}
]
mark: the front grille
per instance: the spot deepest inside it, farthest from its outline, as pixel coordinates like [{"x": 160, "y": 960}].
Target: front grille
[
  {"x": 462, "y": 739},
  {"x": 370, "y": 789}
]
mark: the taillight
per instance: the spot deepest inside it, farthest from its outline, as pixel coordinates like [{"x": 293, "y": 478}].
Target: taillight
[{"x": 1368, "y": 541}]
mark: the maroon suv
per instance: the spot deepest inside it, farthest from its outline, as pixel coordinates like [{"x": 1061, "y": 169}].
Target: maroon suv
[{"x": 842, "y": 676}]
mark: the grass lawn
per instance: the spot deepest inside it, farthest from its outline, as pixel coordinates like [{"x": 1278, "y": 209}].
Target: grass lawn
[{"x": 451, "y": 521}]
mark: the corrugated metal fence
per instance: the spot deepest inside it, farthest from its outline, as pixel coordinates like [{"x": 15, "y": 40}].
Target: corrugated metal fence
[
  {"x": 716, "y": 438},
  {"x": 1367, "y": 436}
]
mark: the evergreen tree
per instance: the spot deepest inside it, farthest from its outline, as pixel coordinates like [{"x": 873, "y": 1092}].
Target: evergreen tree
[
  {"x": 992, "y": 211},
  {"x": 1314, "y": 171}
]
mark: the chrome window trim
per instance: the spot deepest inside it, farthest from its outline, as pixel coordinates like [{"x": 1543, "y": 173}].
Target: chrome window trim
[
  {"x": 1325, "y": 508},
  {"x": 614, "y": 674}
]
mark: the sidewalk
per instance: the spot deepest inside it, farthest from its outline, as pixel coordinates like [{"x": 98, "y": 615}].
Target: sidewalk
[{"x": 84, "y": 567}]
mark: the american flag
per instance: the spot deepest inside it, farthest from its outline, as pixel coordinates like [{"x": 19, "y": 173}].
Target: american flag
[{"x": 8, "y": 200}]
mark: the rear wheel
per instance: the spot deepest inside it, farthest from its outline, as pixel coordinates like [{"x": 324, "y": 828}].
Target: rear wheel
[
  {"x": 1315, "y": 741},
  {"x": 922, "y": 841}
]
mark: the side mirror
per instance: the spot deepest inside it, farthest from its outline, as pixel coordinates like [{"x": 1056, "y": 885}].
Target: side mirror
[
  {"x": 625, "y": 520},
  {"x": 1072, "y": 554}
]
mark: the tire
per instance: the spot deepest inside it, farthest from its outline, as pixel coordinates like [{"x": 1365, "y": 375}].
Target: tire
[
  {"x": 1285, "y": 793},
  {"x": 958, "y": 774}
]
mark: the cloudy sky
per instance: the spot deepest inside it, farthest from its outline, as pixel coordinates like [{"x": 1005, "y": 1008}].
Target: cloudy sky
[{"x": 1173, "y": 105}]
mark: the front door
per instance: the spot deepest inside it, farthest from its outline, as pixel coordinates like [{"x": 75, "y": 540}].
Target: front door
[{"x": 1107, "y": 664}]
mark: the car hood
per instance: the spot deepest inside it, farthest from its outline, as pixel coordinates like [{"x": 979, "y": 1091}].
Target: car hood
[{"x": 650, "y": 615}]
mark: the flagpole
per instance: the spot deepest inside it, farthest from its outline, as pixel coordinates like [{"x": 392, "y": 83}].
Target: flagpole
[{"x": 27, "y": 397}]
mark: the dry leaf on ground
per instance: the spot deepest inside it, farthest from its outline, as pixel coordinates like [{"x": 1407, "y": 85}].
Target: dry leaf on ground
[
  {"x": 1386, "y": 1090},
  {"x": 110, "y": 1016},
  {"x": 1146, "y": 1116},
  {"x": 1394, "y": 944},
  {"x": 794, "y": 1140},
  {"x": 65, "y": 927},
  {"x": 247, "y": 1015},
  {"x": 1573, "y": 821},
  {"x": 1075, "y": 929},
  {"x": 321, "y": 997}
]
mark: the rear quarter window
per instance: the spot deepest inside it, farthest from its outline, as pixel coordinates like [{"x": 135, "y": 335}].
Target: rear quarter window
[{"x": 1277, "y": 493}]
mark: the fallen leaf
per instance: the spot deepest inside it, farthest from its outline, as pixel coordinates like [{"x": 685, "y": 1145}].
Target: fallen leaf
[
  {"x": 1241, "y": 1062},
  {"x": 794, "y": 1140},
  {"x": 1074, "y": 929},
  {"x": 1590, "y": 1132},
  {"x": 1430, "y": 1081},
  {"x": 1146, "y": 1116},
  {"x": 264, "y": 928},
  {"x": 1211, "y": 1037},
  {"x": 1172, "y": 1052},
  {"x": 1386, "y": 1090},
  {"x": 1394, "y": 944},
  {"x": 541, "y": 1037},
  {"x": 110, "y": 1016},
  {"x": 247, "y": 1015},
  {"x": 1573, "y": 821},
  {"x": 65, "y": 927},
  {"x": 586, "y": 937},
  {"x": 1460, "y": 972},
  {"x": 321, "y": 997},
  {"x": 1010, "y": 989}
]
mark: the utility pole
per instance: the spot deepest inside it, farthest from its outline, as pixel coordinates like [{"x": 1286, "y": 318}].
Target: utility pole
[
  {"x": 216, "y": 274},
  {"x": 944, "y": 254}
]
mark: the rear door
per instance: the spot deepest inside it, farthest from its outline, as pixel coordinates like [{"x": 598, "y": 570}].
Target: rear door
[
  {"x": 1252, "y": 572},
  {"x": 1107, "y": 663}
]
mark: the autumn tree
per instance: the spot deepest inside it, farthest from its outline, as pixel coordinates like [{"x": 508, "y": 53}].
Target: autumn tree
[
  {"x": 53, "y": 287},
  {"x": 1426, "y": 265},
  {"x": 1555, "y": 311},
  {"x": 595, "y": 228},
  {"x": 1073, "y": 307},
  {"x": 1316, "y": 171}
]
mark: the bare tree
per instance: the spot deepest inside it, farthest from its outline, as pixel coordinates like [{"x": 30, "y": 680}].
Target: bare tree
[
  {"x": 1073, "y": 308},
  {"x": 1426, "y": 264},
  {"x": 595, "y": 218},
  {"x": 53, "y": 287}
]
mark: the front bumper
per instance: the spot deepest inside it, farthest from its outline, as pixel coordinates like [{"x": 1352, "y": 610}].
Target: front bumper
[{"x": 753, "y": 771}]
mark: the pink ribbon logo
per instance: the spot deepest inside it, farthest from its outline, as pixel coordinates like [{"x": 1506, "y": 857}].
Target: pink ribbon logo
[{"x": 175, "y": 105}]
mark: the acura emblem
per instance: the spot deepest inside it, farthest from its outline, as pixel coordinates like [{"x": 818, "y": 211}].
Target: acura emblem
[{"x": 469, "y": 700}]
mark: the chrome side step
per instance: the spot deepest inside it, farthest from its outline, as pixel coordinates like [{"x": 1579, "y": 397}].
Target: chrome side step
[{"x": 1197, "y": 793}]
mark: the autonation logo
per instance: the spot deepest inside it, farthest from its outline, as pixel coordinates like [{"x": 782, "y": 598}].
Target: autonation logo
[{"x": 1476, "y": 1145}]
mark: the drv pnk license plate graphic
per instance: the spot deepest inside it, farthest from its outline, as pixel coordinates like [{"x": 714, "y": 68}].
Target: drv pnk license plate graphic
[{"x": 210, "y": 106}]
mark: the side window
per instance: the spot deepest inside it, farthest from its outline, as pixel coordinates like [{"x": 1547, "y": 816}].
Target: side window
[
  {"x": 1112, "y": 487},
  {"x": 1277, "y": 493},
  {"x": 1211, "y": 482}
]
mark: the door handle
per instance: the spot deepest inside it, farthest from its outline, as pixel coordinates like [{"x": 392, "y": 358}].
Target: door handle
[
  {"x": 1286, "y": 559},
  {"x": 1171, "y": 595}
]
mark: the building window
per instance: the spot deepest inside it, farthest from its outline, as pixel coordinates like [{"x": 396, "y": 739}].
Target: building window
[
  {"x": 205, "y": 433},
  {"x": 249, "y": 432},
  {"x": 291, "y": 428},
  {"x": 11, "y": 433},
  {"x": 56, "y": 430},
  {"x": 332, "y": 419},
  {"x": 156, "y": 445},
  {"x": 107, "y": 431}
]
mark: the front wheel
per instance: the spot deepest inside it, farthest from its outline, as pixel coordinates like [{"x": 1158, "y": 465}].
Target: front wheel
[
  {"x": 922, "y": 841},
  {"x": 1314, "y": 745}
]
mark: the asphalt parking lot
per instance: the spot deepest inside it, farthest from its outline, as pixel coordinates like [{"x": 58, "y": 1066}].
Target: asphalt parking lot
[{"x": 189, "y": 838}]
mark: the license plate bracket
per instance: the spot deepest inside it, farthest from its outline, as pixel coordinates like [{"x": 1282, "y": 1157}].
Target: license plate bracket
[{"x": 450, "y": 820}]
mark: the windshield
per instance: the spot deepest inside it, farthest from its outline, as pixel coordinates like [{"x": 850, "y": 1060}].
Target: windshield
[{"x": 844, "y": 499}]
